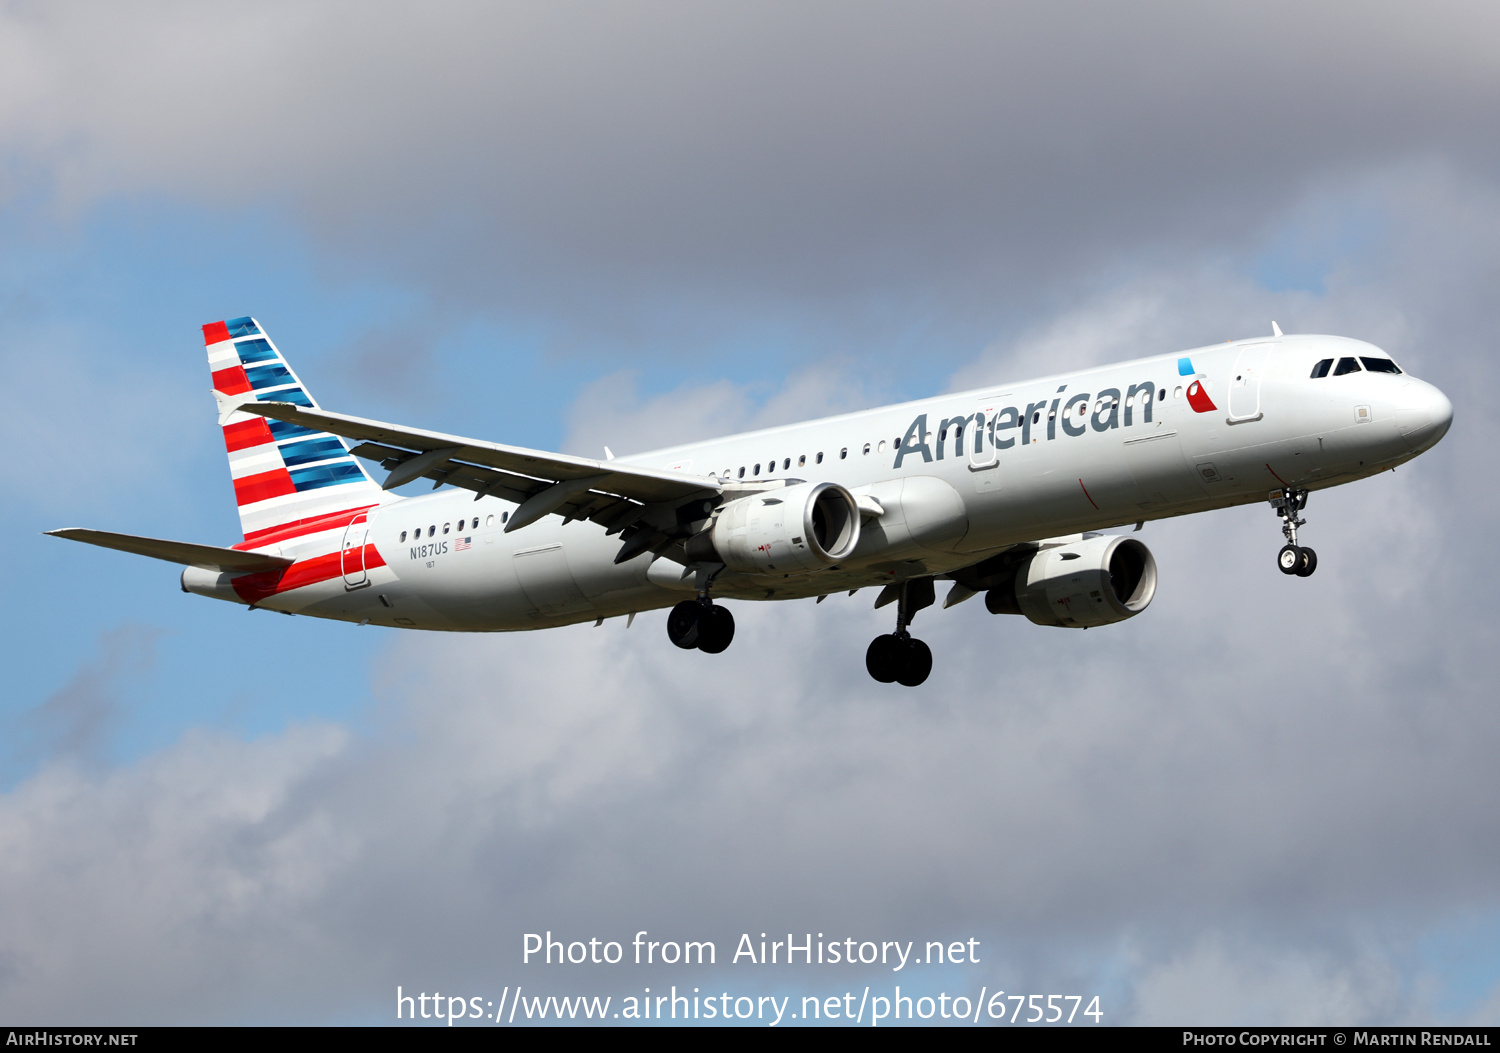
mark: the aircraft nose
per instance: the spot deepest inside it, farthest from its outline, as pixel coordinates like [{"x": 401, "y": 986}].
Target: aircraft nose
[{"x": 1423, "y": 415}]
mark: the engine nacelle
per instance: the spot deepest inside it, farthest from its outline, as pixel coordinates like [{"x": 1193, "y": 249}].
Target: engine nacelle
[
  {"x": 1096, "y": 581},
  {"x": 802, "y": 527}
]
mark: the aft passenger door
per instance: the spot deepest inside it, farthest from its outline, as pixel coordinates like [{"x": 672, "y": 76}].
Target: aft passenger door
[{"x": 352, "y": 554}]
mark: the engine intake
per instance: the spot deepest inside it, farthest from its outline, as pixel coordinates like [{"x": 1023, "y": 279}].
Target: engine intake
[
  {"x": 1097, "y": 581},
  {"x": 801, "y": 527}
]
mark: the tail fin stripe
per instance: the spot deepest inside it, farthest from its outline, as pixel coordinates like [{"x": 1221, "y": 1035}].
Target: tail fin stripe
[
  {"x": 253, "y": 488},
  {"x": 282, "y": 430},
  {"x": 241, "y": 326},
  {"x": 274, "y": 375},
  {"x": 295, "y": 453},
  {"x": 325, "y": 475},
  {"x": 246, "y": 434},
  {"x": 255, "y": 351},
  {"x": 214, "y": 333},
  {"x": 294, "y": 395},
  {"x": 231, "y": 381}
]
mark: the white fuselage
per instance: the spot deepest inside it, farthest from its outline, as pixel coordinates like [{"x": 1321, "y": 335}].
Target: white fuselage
[{"x": 1047, "y": 457}]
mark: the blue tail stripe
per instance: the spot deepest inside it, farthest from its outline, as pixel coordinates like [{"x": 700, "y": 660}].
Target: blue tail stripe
[
  {"x": 282, "y": 431},
  {"x": 269, "y": 376},
  {"x": 294, "y": 395},
  {"x": 326, "y": 475},
  {"x": 255, "y": 351},
  {"x": 312, "y": 450}
]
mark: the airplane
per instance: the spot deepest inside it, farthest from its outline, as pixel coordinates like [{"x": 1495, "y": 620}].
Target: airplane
[{"x": 1003, "y": 490}]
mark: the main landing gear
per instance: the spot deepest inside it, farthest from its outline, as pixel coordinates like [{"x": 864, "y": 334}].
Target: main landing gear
[
  {"x": 899, "y": 657},
  {"x": 1292, "y": 559},
  {"x": 701, "y": 623}
]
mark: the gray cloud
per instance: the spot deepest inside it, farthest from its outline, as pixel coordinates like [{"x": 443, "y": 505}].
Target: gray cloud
[
  {"x": 75, "y": 722},
  {"x": 600, "y": 166}
]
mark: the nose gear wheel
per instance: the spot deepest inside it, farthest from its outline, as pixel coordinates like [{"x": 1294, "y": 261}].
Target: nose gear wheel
[{"x": 1293, "y": 558}]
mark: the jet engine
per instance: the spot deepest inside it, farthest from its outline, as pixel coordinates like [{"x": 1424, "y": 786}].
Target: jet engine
[
  {"x": 1097, "y": 581},
  {"x": 801, "y": 527}
]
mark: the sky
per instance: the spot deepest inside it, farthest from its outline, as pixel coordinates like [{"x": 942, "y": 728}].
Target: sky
[{"x": 1266, "y": 800}]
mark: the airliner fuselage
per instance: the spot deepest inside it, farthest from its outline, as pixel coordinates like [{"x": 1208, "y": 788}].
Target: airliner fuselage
[{"x": 975, "y": 487}]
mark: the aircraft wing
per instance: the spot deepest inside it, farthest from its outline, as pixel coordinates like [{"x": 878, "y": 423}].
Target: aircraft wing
[
  {"x": 209, "y": 557},
  {"x": 606, "y": 492}
]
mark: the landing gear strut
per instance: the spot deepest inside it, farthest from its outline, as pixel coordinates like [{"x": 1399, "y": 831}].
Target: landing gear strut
[
  {"x": 899, "y": 657},
  {"x": 701, "y": 623},
  {"x": 1292, "y": 559}
]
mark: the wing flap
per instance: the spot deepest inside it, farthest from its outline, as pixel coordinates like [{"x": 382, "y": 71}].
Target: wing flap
[{"x": 209, "y": 557}]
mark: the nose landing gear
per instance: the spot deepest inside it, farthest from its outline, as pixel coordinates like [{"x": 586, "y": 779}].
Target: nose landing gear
[
  {"x": 1292, "y": 559},
  {"x": 898, "y": 657}
]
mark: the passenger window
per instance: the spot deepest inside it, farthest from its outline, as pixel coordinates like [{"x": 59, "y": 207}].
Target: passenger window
[
  {"x": 882, "y": 445},
  {"x": 504, "y": 516},
  {"x": 445, "y": 528},
  {"x": 1162, "y": 395},
  {"x": 1380, "y": 365},
  {"x": 820, "y": 457},
  {"x": 1177, "y": 392},
  {"x": 844, "y": 453},
  {"x": 756, "y": 471},
  {"x": 403, "y": 535},
  {"x": 742, "y": 471},
  {"x": 1346, "y": 365},
  {"x": 770, "y": 467},
  {"x": 802, "y": 460},
  {"x": 431, "y": 531},
  {"x": 867, "y": 449},
  {"x": 489, "y": 521},
  {"x": 1321, "y": 369},
  {"x": 786, "y": 464}
]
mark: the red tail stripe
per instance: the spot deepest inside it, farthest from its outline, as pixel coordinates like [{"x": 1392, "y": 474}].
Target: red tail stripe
[
  {"x": 298, "y": 528},
  {"x": 231, "y": 381},
  {"x": 215, "y": 332},
  {"x": 246, "y": 433},
  {"x": 253, "y": 488},
  {"x": 252, "y": 588}
]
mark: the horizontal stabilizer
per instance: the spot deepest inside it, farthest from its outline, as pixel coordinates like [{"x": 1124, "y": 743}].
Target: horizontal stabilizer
[{"x": 209, "y": 557}]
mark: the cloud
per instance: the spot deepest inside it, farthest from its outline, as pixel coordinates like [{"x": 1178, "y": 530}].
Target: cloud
[
  {"x": 75, "y": 722},
  {"x": 611, "y": 412},
  {"x": 574, "y": 163}
]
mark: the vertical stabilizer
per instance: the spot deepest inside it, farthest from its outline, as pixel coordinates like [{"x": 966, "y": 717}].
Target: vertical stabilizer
[{"x": 289, "y": 481}]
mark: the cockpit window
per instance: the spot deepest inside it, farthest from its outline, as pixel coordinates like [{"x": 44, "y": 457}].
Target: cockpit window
[
  {"x": 1380, "y": 365},
  {"x": 1321, "y": 369},
  {"x": 1346, "y": 365}
]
